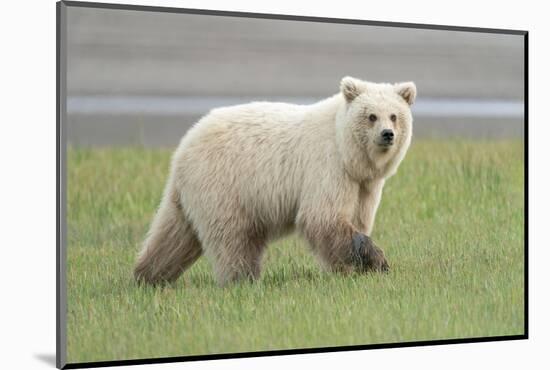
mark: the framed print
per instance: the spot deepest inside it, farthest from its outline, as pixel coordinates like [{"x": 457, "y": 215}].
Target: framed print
[{"x": 237, "y": 184}]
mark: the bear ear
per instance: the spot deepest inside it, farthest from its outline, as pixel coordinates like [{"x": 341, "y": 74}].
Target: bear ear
[
  {"x": 407, "y": 90},
  {"x": 349, "y": 88}
]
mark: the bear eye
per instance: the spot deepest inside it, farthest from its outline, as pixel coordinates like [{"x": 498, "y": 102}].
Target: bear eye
[
  {"x": 393, "y": 117},
  {"x": 373, "y": 117}
]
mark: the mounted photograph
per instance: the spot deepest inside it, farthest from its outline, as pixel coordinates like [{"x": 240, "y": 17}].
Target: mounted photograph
[{"x": 238, "y": 184}]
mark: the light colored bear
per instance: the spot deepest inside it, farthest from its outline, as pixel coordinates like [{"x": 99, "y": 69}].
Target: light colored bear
[{"x": 247, "y": 174}]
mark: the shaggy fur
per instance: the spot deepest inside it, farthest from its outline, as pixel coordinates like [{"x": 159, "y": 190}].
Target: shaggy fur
[{"x": 247, "y": 174}]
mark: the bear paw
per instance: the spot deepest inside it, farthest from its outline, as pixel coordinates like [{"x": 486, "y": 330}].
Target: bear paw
[{"x": 366, "y": 255}]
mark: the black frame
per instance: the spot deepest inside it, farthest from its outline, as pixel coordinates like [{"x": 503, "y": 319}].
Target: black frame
[{"x": 61, "y": 185}]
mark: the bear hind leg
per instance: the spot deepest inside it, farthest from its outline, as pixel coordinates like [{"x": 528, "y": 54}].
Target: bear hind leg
[
  {"x": 236, "y": 258},
  {"x": 170, "y": 248}
]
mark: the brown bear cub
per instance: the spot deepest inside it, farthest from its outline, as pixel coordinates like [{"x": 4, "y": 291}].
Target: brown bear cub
[{"x": 245, "y": 175}]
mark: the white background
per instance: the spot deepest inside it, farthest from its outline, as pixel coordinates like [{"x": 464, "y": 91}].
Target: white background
[{"x": 27, "y": 203}]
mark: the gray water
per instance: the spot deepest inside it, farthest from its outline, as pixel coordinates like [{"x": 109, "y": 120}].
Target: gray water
[
  {"x": 183, "y": 105},
  {"x": 162, "y": 120}
]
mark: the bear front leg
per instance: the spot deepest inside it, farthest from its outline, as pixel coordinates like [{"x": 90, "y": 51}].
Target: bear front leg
[{"x": 342, "y": 248}]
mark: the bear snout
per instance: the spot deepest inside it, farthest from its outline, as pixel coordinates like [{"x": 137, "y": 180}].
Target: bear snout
[{"x": 386, "y": 137}]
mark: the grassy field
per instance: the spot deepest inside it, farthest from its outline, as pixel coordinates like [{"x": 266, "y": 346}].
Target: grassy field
[{"x": 450, "y": 222}]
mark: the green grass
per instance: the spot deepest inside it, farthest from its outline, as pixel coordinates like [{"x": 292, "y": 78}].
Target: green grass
[{"x": 450, "y": 222}]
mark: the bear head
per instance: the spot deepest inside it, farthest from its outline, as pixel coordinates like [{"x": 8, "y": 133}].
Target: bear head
[{"x": 374, "y": 125}]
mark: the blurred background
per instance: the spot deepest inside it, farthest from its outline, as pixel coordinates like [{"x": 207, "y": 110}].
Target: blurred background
[{"x": 143, "y": 78}]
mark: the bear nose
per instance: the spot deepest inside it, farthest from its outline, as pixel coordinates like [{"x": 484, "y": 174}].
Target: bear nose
[{"x": 387, "y": 135}]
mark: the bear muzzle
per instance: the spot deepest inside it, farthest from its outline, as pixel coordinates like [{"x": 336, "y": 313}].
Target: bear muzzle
[{"x": 386, "y": 138}]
